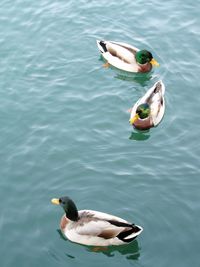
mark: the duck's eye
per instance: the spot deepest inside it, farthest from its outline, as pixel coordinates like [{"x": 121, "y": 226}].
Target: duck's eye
[{"x": 63, "y": 202}]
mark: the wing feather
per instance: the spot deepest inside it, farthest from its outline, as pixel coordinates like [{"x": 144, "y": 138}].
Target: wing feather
[{"x": 99, "y": 224}]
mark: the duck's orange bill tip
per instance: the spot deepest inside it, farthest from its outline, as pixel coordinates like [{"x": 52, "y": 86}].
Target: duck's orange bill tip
[
  {"x": 154, "y": 63},
  {"x": 55, "y": 201}
]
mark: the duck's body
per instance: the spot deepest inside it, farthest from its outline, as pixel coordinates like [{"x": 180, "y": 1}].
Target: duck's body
[
  {"x": 123, "y": 56},
  {"x": 96, "y": 228},
  {"x": 154, "y": 100}
]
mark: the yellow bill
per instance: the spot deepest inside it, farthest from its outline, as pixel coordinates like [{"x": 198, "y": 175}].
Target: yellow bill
[
  {"x": 154, "y": 62},
  {"x": 133, "y": 119},
  {"x": 55, "y": 201}
]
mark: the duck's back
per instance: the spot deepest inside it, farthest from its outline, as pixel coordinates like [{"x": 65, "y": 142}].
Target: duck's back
[
  {"x": 121, "y": 52},
  {"x": 97, "y": 215}
]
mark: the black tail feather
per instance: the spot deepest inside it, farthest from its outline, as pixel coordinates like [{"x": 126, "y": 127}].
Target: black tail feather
[
  {"x": 121, "y": 224},
  {"x": 103, "y": 45},
  {"x": 123, "y": 235}
]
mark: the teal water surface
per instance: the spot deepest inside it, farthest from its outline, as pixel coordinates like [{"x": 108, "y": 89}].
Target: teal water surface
[{"x": 65, "y": 131}]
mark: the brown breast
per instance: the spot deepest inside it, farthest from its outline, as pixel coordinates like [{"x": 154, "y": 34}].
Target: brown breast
[
  {"x": 145, "y": 68},
  {"x": 63, "y": 222},
  {"x": 144, "y": 124}
]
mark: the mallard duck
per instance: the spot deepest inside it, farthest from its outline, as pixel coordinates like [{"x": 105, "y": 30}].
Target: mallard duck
[
  {"x": 94, "y": 228},
  {"x": 149, "y": 110},
  {"x": 126, "y": 57}
]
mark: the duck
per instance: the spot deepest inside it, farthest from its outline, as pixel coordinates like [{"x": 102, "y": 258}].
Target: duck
[
  {"x": 94, "y": 228},
  {"x": 149, "y": 110},
  {"x": 126, "y": 57}
]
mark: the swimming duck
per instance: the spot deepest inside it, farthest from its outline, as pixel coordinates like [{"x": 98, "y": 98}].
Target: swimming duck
[
  {"x": 126, "y": 57},
  {"x": 149, "y": 110},
  {"x": 94, "y": 228}
]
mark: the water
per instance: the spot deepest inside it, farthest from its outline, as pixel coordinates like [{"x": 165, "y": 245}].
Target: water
[{"x": 65, "y": 131}]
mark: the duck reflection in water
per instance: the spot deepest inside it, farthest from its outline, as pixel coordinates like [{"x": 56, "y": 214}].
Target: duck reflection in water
[
  {"x": 141, "y": 78},
  {"x": 138, "y": 135},
  {"x": 131, "y": 250}
]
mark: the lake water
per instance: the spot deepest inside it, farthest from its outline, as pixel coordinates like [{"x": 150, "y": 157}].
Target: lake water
[{"x": 65, "y": 131}]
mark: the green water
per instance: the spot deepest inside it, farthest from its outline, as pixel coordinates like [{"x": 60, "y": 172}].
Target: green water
[{"x": 65, "y": 131}]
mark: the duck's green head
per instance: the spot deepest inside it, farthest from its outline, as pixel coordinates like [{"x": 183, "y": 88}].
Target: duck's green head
[
  {"x": 68, "y": 205},
  {"x": 144, "y": 56},
  {"x": 142, "y": 112}
]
